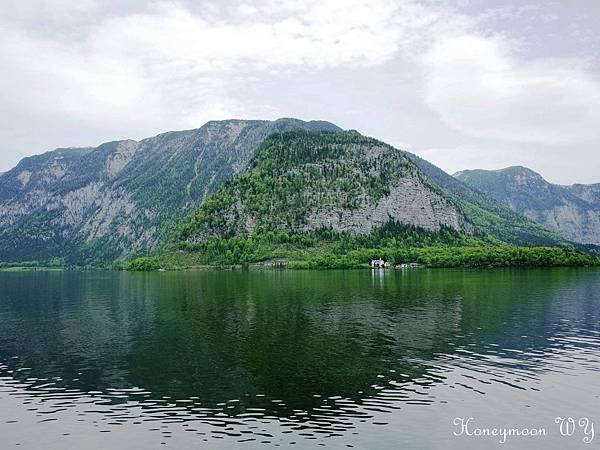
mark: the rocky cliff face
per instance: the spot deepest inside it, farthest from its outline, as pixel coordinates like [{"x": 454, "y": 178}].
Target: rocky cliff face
[
  {"x": 409, "y": 201},
  {"x": 572, "y": 211},
  {"x": 589, "y": 193},
  {"x": 122, "y": 198}
]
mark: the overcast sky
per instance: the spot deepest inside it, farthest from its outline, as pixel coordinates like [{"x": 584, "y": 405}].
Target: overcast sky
[{"x": 465, "y": 84}]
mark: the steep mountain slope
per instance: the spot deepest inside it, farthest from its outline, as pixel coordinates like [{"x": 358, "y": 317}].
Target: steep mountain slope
[
  {"x": 590, "y": 193},
  {"x": 487, "y": 214},
  {"x": 302, "y": 182},
  {"x": 572, "y": 211},
  {"x": 123, "y": 197}
]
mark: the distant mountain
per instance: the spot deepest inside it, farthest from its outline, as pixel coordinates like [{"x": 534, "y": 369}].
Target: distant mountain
[
  {"x": 301, "y": 182},
  {"x": 573, "y": 211},
  {"x": 123, "y": 197},
  {"x": 492, "y": 217}
]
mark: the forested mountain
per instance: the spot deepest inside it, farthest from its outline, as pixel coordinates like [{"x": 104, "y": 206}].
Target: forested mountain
[
  {"x": 573, "y": 211},
  {"x": 122, "y": 198},
  {"x": 300, "y": 183}
]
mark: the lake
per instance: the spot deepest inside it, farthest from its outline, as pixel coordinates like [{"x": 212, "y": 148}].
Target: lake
[{"x": 299, "y": 359}]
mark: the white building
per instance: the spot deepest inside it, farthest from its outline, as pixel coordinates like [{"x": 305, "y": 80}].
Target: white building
[{"x": 378, "y": 264}]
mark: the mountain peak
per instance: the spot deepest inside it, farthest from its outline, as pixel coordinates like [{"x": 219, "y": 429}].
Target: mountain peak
[
  {"x": 520, "y": 171},
  {"x": 288, "y": 122},
  {"x": 573, "y": 211},
  {"x": 511, "y": 171}
]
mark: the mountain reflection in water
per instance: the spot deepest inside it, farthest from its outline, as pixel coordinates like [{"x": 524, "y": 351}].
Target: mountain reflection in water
[{"x": 333, "y": 357}]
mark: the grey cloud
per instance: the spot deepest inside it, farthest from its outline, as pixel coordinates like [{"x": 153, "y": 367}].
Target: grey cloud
[{"x": 79, "y": 73}]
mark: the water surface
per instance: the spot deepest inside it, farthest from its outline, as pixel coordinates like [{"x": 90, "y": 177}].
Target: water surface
[{"x": 377, "y": 360}]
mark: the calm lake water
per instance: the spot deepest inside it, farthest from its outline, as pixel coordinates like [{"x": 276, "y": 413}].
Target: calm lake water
[{"x": 341, "y": 359}]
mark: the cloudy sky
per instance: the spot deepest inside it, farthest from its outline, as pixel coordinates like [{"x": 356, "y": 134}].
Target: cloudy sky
[{"x": 464, "y": 83}]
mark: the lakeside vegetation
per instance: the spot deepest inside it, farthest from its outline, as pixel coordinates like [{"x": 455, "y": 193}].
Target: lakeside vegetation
[
  {"x": 51, "y": 264},
  {"x": 433, "y": 257},
  {"x": 329, "y": 249}
]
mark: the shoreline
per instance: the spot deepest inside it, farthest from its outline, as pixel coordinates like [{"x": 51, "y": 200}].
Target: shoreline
[
  {"x": 263, "y": 267},
  {"x": 375, "y": 258}
]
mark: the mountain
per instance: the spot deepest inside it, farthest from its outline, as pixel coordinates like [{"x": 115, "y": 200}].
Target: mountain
[
  {"x": 122, "y": 198},
  {"x": 302, "y": 182},
  {"x": 126, "y": 198},
  {"x": 490, "y": 216},
  {"x": 573, "y": 211}
]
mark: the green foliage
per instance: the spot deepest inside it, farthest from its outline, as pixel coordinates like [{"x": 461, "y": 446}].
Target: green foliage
[
  {"x": 57, "y": 262},
  {"x": 394, "y": 242},
  {"x": 273, "y": 245},
  {"x": 259, "y": 217},
  {"x": 489, "y": 217},
  {"x": 294, "y": 174},
  {"x": 143, "y": 264},
  {"x": 50, "y": 264},
  {"x": 487, "y": 256},
  {"x": 28, "y": 264}
]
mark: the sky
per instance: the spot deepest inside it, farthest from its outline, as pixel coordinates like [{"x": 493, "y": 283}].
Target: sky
[{"x": 463, "y": 83}]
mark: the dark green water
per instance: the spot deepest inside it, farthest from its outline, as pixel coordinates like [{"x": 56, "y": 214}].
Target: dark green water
[{"x": 362, "y": 359}]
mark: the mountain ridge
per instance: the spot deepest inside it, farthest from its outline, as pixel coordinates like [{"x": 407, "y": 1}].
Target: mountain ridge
[
  {"x": 121, "y": 197},
  {"x": 571, "y": 210},
  {"x": 298, "y": 165},
  {"x": 125, "y": 198}
]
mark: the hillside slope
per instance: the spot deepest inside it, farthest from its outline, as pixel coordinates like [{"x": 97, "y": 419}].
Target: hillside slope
[
  {"x": 122, "y": 198},
  {"x": 572, "y": 211},
  {"x": 493, "y": 217},
  {"x": 303, "y": 182}
]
